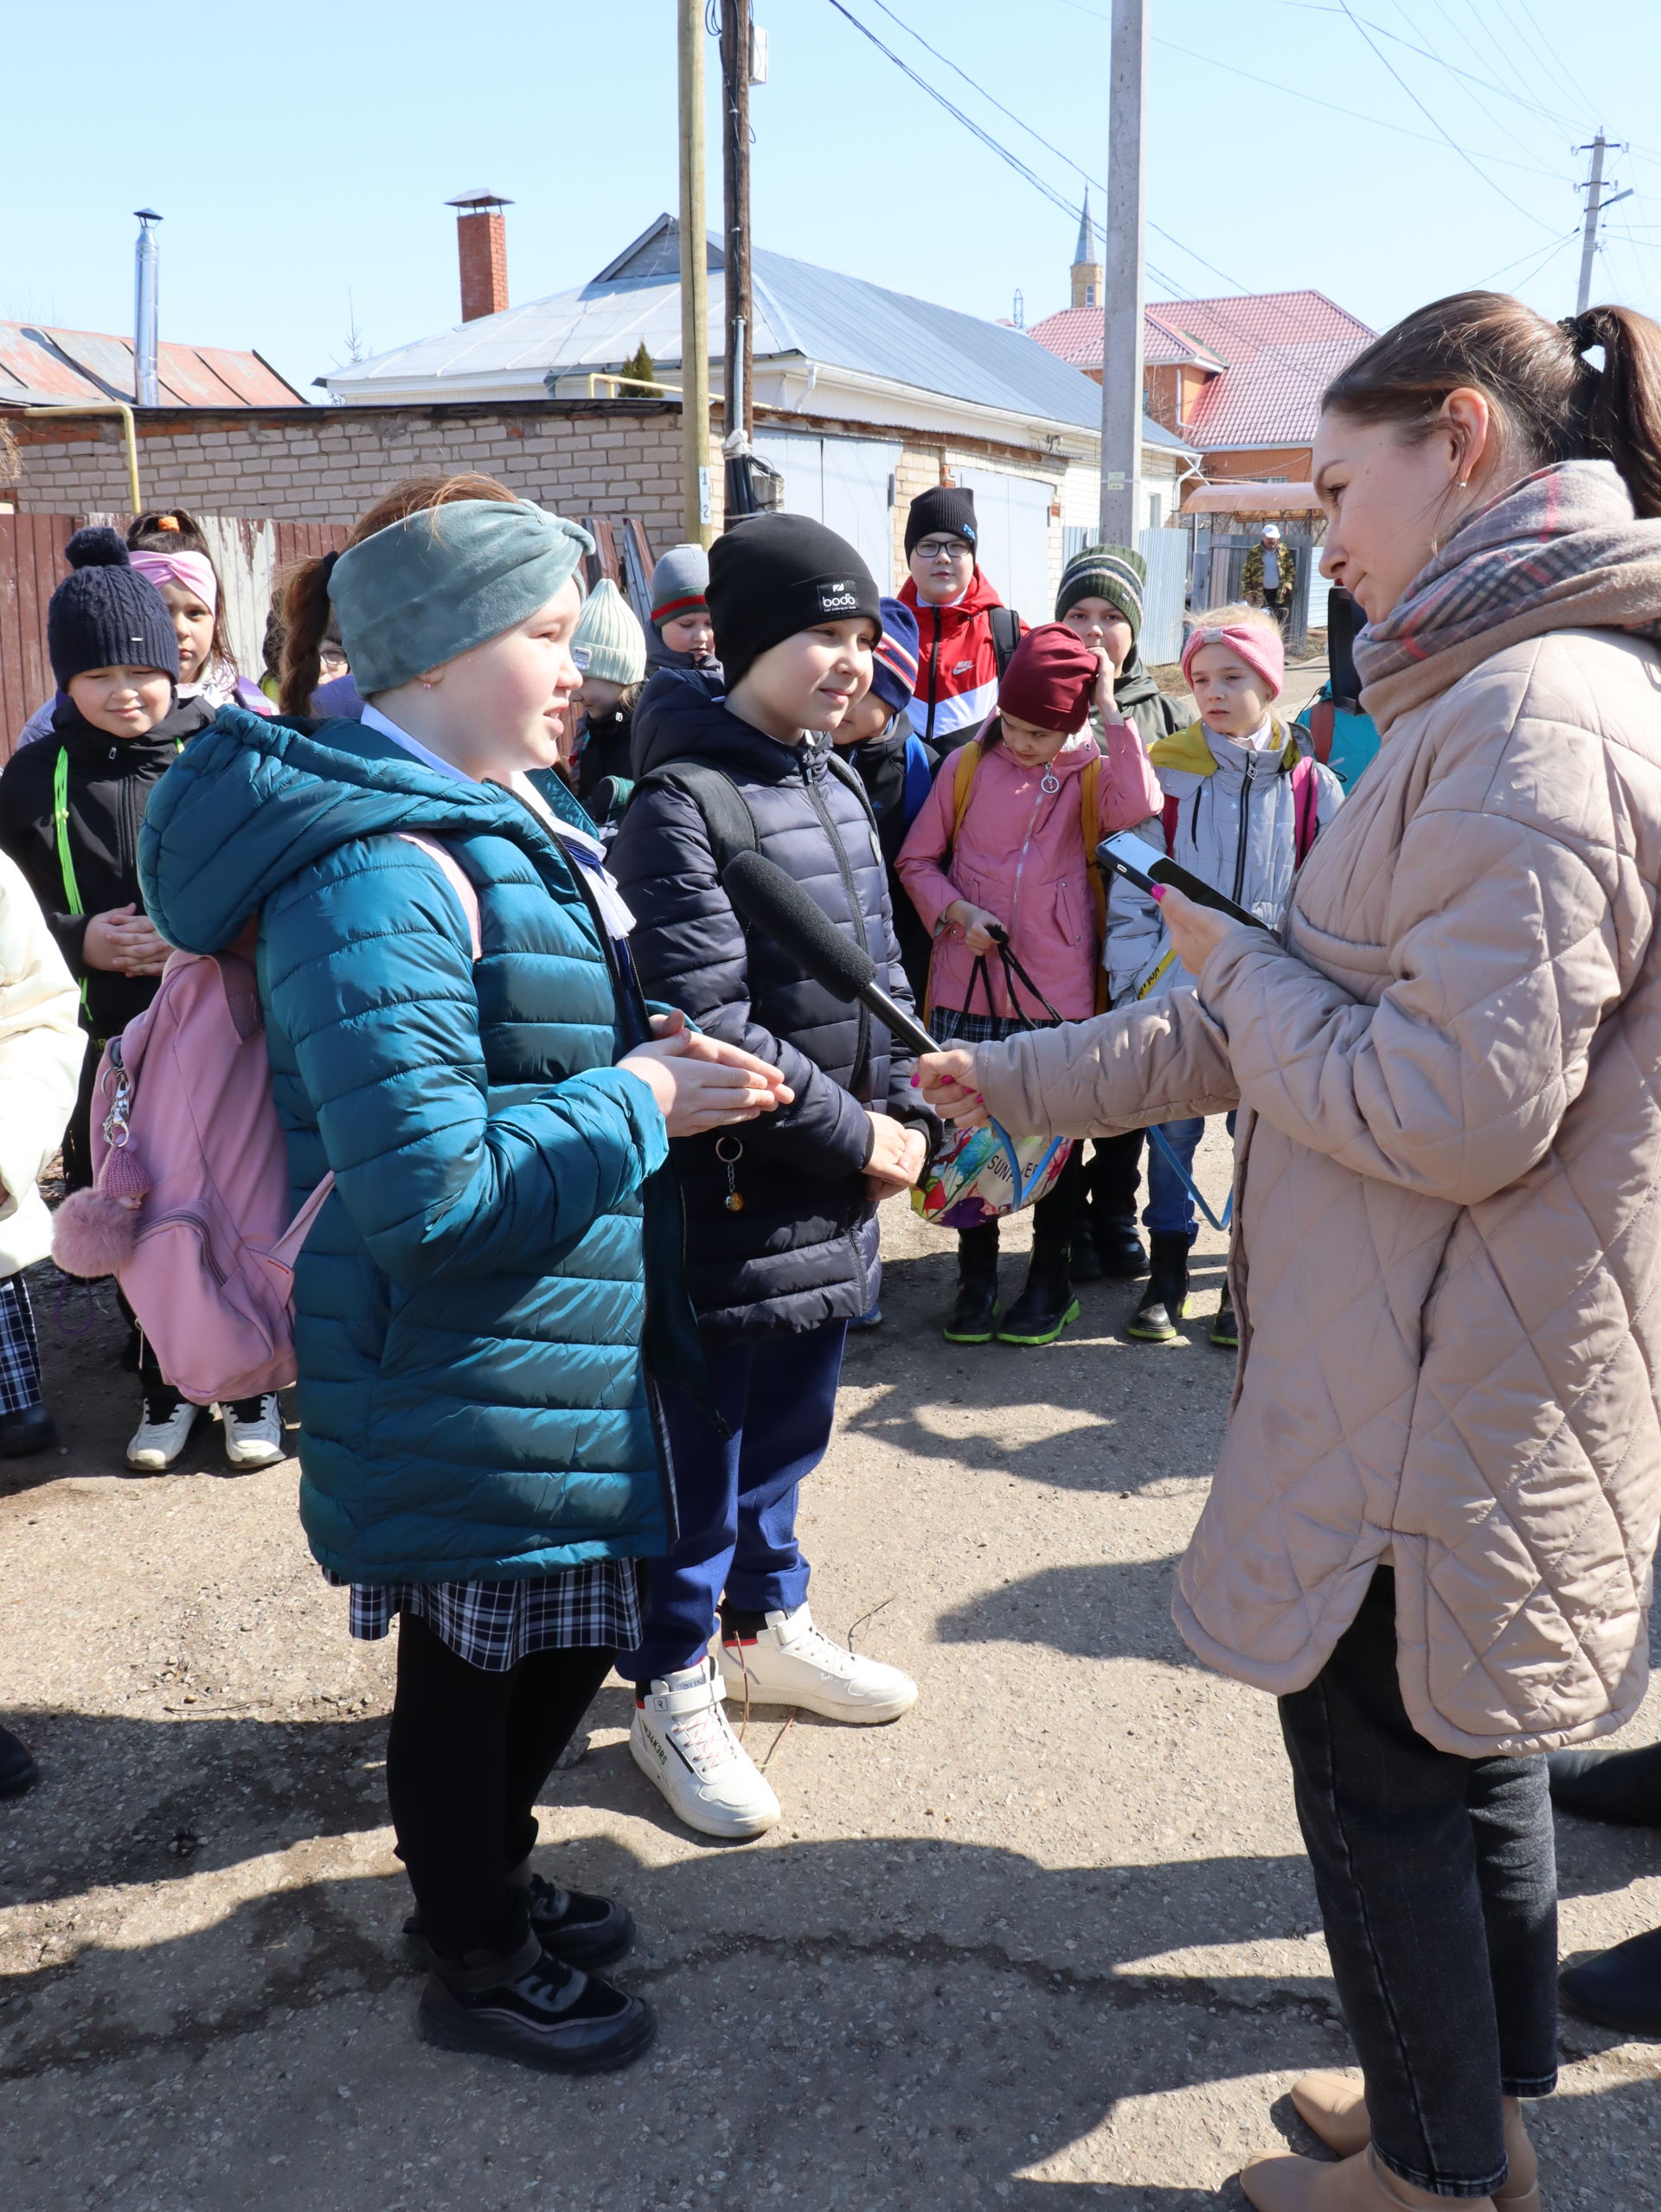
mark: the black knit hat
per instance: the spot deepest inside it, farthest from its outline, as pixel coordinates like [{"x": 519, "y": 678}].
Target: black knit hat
[
  {"x": 771, "y": 575},
  {"x": 943, "y": 507},
  {"x": 105, "y": 614}
]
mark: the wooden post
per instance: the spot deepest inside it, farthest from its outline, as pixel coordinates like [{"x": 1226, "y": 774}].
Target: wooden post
[
  {"x": 735, "y": 183},
  {"x": 699, "y": 507}
]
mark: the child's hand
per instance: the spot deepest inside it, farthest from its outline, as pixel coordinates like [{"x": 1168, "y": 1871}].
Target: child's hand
[
  {"x": 122, "y": 941},
  {"x": 897, "y": 1156},
  {"x": 947, "y": 1082},
  {"x": 976, "y": 924}
]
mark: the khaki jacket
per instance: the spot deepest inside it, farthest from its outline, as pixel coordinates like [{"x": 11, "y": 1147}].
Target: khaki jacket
[
  {"x": 41, "y": 1047},
  {"x": 1449, "y": 1194}
]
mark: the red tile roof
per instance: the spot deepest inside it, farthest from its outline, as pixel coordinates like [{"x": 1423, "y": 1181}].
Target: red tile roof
[
  {"x": 1276, "y": 352},
  {"x": 42, "y": 367}
]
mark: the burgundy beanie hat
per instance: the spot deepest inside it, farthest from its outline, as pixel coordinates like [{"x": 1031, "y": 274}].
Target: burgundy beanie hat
[{"x": 1050, "y": 680}]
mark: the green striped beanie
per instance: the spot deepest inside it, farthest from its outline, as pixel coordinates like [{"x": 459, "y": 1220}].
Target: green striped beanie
[{"x": 1114, "y": 573}]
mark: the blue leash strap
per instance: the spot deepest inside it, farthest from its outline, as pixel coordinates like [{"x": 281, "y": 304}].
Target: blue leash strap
[{"x": 1191, "y": 1186}]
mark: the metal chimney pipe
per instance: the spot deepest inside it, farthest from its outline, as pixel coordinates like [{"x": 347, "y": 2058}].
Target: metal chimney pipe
[{"x": 144, "y": 339}]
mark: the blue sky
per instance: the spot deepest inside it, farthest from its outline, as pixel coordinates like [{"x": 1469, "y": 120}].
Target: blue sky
[{"x": 302, "y": 157}]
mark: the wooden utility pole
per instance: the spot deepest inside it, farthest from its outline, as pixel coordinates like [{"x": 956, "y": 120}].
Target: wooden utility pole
[
  {"x": 699, "y": 512},
  {"x": 1121, "y": 333},
  {"x": 735, "y": 184}
]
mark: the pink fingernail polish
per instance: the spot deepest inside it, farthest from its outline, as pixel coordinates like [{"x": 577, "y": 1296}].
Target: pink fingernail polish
[
  {"x": 1158, "y": 890},
  {"x": 915, "y": 1081}
]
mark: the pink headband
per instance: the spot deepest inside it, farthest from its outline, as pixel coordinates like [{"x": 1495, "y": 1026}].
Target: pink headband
[
  {"x": 1259, "y": 649},
  {"x": 194, "y": 570}
]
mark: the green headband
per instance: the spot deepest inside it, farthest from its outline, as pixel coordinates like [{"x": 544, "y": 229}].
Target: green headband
[{"x": 442, "y": 581}]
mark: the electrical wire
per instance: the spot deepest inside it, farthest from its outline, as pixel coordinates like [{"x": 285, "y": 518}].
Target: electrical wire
[
  {"x": 1555, "y": 116},
  {"x": 1551, "y": 56},
  {"x": 1465, "y": 157}
]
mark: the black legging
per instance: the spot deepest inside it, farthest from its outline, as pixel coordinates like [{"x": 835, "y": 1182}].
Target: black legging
[{"x": 467, "y": 1754}]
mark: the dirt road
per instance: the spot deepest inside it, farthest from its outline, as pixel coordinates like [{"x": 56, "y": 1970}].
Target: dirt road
[{"x": 1049, "y": 1941}]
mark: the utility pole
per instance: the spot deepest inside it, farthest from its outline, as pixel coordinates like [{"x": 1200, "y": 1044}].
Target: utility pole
[
  {"x": 1595, "y": 205},
  {"x": 699, "y": 507},
  {"x": 740, "y": 408},
  {"x": 1121, "y": 321}
]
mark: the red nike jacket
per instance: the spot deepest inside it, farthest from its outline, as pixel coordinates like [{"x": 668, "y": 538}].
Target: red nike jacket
[{"x": 957, "y": 669}]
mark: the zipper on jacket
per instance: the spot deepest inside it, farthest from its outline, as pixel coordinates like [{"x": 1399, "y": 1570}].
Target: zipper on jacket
[
  {"x": 1245, "y": 823},
  {"x": 851, "y": 891},
  {"x": 933, "y": 665},
  {"x": 1021, "y": 865}
]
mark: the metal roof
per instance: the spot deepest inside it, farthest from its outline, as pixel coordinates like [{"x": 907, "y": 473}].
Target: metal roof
[
  {"x": 799, "y": 310},
  {"x": 43, "y": 367}
]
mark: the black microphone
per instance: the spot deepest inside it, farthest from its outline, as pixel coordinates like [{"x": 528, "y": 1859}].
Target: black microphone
[{"x": 773, "y": 901}]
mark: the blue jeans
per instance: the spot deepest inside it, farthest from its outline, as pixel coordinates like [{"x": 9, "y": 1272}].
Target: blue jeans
[
  {"x": 737, "y": 1497},
  {"x": 1170, "y": 1210},
  {"x": 1437, "y": 1879}
]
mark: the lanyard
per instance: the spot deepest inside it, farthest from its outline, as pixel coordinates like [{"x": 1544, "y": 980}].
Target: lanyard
[{"x": 61, "y": 827}]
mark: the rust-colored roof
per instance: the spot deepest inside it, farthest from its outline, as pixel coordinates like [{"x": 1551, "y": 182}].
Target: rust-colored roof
[
  {"x": 43, "y": 367},
  {"x": 1273, "y": 354}
]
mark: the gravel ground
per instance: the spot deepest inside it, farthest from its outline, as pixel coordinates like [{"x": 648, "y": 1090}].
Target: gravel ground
[{"x": 1049, "y": 1941}]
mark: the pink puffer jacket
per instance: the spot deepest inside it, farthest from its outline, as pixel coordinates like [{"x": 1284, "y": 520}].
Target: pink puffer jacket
[
  {"x": 1449, "y": 1194},
  {"x": 1019, "y": 852}
]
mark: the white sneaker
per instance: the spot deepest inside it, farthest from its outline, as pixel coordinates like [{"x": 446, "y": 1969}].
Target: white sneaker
[
  {"x": 256, "y": 1442},
  {"x": 792, "y": 1662},
  {"x": 162, "y": 1434},
  {"x": 681, "y": 1738}
]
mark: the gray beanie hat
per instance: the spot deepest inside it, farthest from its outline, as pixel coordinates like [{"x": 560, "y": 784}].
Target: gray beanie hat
[
  {"x": 443, "y": 580},
  {"x": 608, "y": 641},
  {"x": 680, "y": 583}
]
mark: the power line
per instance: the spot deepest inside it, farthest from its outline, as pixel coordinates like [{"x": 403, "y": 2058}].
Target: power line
[
  {"x": 1555, "y": 116},
  {"x": 1466, "y": 158},
  {"x": 1551, "y": 56}
]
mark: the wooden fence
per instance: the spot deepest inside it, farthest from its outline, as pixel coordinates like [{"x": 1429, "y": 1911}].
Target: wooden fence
[{"x": 31, "y": 567}]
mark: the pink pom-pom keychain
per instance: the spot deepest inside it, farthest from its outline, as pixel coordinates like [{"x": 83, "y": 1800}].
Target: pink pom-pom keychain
[{"x": 93, "y": 1233}]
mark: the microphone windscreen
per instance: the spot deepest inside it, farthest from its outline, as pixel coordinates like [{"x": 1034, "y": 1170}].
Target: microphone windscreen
[{"x": 772, "y": 901}]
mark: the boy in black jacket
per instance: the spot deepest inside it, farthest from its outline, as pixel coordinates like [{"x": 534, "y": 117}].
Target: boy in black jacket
[
  {"x": 781, "y": 1223},
  {"x": 70, "y": 807}
]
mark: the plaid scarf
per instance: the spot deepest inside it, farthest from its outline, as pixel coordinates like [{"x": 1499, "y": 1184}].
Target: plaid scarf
[{"x": 1559, "y": 550}]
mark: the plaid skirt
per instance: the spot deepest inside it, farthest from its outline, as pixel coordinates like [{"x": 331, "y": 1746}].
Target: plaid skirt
[
  {"x": 950, "y": 1025},
  {"x": 495, "y": 1624}
]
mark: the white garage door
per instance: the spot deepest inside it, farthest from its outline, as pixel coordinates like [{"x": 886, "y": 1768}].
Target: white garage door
[
  {"x": 1013, "y": 512},
  {"x": 844, "y": 483}
]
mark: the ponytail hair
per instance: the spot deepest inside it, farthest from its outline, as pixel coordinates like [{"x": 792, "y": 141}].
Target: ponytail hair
[
  {"x": 1555, "y": 404},
  {"x": 307, "y": 614}
]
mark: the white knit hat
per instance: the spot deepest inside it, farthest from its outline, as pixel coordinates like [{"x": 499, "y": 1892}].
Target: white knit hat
[{"x": 608, "y": 641}]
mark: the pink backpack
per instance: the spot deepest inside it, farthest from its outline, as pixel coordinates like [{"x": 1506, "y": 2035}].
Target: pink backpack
[{"x": 189, "y": 1208}]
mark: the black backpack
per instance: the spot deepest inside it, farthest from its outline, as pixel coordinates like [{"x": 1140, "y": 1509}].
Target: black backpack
[
  {"x": 727, "y": 817},
  {"x": 1004, "y": 624}
]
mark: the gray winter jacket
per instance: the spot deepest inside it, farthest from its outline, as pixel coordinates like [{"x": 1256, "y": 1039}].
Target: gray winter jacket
[{"x": 1235, "y": 827}]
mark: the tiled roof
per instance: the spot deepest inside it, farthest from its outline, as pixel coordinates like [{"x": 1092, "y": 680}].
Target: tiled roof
[
  {"x": 43, "y": 367},
  {"x": 1275, "y": 353}
]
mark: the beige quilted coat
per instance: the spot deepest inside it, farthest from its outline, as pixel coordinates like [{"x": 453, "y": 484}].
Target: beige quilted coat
[{"x": 1449, "y": 1247}]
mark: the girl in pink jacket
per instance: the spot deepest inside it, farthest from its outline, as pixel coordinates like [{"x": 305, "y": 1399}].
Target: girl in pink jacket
[{"x": 1001, "y": 865}]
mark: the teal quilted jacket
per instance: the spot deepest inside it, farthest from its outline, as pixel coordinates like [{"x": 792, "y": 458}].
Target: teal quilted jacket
[{"x": 468, "y": 1307}]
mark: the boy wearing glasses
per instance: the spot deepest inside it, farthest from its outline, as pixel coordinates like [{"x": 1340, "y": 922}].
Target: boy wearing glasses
[{"x": 966, "y": 633}]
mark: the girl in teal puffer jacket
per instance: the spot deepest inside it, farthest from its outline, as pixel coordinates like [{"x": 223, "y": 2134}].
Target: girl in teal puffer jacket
[{"x": 477, "y": 1448}]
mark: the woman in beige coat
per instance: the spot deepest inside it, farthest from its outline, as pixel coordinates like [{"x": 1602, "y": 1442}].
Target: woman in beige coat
[{"x": 1432, "y": 1524}]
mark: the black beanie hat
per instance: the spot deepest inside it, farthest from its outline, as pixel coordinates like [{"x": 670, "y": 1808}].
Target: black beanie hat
[
  {"x": 105, "y": 614},
  {"x": 771, "y": 575},
  {"x": 943, "y": 507}
]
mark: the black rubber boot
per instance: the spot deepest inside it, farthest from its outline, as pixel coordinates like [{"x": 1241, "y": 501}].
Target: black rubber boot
[
  {"x": 31, "y": 1430},
  {"x": 1163, "y": 1304},
  {"x": 1085, "y": 1263},
  {"x": 528, "y": 2006},
  {"x": 1122, "y": 1254},
  {"x": 1620, "y": 1786},
  {"x": 1047, "y": 1304},
  {"x": 973, "y": 1320},
  {"x": 1620, "y": 1989},
  {"x": 1225, "y": 1330},
  {"x": 18, "y": 1771},
  {"x": 580, "y": 1929}
]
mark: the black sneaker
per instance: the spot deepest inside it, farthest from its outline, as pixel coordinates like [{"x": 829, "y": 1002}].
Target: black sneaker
[
  {"x": 1620, "y": 1989},
  {"x": 582, "y": 1930},
  {"x": 18, "y": 1771},
  {"x": 26, "y": 1431},
  {"x": 1225, "y": 1330},
  {"x": 534, "y": 2009}
]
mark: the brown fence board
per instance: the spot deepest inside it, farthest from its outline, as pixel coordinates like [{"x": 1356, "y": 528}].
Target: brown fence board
[
  {"x": 31, "y": 565},
  {"x": 305, "y": 541}
]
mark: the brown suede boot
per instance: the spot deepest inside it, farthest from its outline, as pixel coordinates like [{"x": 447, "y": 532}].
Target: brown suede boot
[
  {"x": 1278, "y": 2182},
  {"x": 1334, "y": 2106}
]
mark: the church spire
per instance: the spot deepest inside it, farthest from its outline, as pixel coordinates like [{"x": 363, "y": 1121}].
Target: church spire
[{"x": 1086, "y": 266}]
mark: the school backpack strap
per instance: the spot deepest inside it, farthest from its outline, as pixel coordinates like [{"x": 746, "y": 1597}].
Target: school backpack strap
[
  {"x": 845, "y": 772},
  {"x": 1168, "y": 815},
  {"x": 456, "y": 876},
  {"x": 727, "y": 820},
  {"x": 968, "y": 759},
  {"x": 1323, "y": 716},
  {"x": 920, "y": 780},
  {"x": 1004, "y": 624},
  {"x": 1306, "y": 806}
]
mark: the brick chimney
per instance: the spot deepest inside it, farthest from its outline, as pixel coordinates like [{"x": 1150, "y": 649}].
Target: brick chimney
[{"x": 482, "y": 240}]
